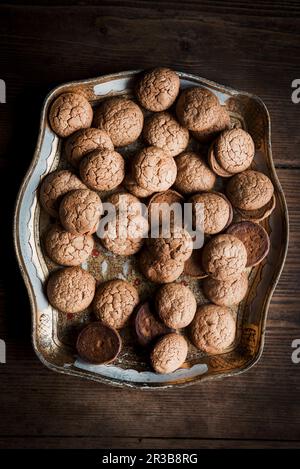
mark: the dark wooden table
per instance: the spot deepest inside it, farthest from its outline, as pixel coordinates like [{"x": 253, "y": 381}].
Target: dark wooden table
[{"x": 254, "y": 46}]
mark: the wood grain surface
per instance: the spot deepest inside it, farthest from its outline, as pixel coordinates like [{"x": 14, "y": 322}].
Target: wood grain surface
[{"x": 253, "y": 46}]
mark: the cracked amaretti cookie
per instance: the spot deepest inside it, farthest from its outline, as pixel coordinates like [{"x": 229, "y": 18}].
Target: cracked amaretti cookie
[
  {"x": 84, "y": 141},
  {"x": 176, "y": 305},
  {"x": 224, "y": 257},
  {"x": 176, "y": 243},
  {"x": 193, "y": 174},
  {"x": 154, "y": 170},
  {"x": 102, "y": 170},
  {"x": 221, "y": 123},
  {"x": 164, "y": 269},
  {"x": 169, "y": 353},
  {"x": 213, "y": 328},
  {"x": 158, "y": 89},
  {"x": 249, "y": 190},
  {"x": 114, "y": 302},
  {"x": 124, "y": 233},
  {"x": 69, "y": 113},
  {"x": 227, "y": 292},
  {"x": 163, "y": 131},
  {"x": 121, "y": 118},
  {"x": 54, "y": 186},
  {"x": 71, "y": 289},
  {"x": 212, "y": 212},
  {"x": 66, "y": 248},
  {"x": 232, "y": 152},
  {"x": 255, "y": 239},
  {"x": 80, "y": 211}
]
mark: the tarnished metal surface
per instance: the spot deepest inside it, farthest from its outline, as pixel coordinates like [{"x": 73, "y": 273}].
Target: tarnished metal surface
[{"x": 54, "y": 333}]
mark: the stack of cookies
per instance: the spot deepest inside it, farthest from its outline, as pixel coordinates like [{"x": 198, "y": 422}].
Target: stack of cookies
[{"x": 191, "y": 153}]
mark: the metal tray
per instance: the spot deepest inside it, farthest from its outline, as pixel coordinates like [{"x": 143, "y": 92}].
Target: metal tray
[{"x": 54, "y": 334}]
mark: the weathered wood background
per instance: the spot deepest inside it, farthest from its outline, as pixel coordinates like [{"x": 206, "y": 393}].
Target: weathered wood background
[{"x": 253, "y": 46}]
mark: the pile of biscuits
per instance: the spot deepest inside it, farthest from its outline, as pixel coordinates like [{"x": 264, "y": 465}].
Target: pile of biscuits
[{"x": 190, "y": 148}]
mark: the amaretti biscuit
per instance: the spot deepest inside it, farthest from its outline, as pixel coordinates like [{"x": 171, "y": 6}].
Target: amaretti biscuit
[
  {"x": 154, "y": 169},
  {"x": 212, "y": 212},
  {"x": 255, "y": 239},
  {"x": 102, "y": 170},
  {"x": 249, "y": 190},
  {"x": 158, "y": 89},
  {"x": 176, "y": 244},
  {"x": 71, "y": 289},
  {"x": 69, "y": 113},
  {"x": 193, "y": 174},
  {"x": 54, "y": 186},
  {"x": 132, "y": 186},
  {"x": 161, "y": 206},
  {"x": 169, "y": 353},
  {"x": 80, "y": 211},
  {"x": 234, "y": 151},
  {"x": 221, "y": 123},
  {"x": 227, "y": 292},
  {"x": 98, "y": 343},
  {"x": 213, "y": 328},
  {"x": 176, "y": 305},
  {"x": 66, "y": 248},
  {"x": 224, "y": 257},
  {"x": 121, "y": 118},
  {"x": 114, "y": 302},
  {"x": 84, "y": 141},
  {"x": 160, "y": 270},
  {"x": 164, "y": 131}
]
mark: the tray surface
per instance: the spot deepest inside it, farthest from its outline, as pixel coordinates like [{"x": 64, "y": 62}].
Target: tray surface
[{"x": 54, "y": 334}]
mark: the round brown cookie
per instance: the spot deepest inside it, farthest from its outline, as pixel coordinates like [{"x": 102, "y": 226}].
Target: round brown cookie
[
  {"x": 224, "y": 257},
  {"x": 169, "y": 353},
  {"x": 193, "y": 266},
  {"x": 226, "y": 292},
  {"x": 114, "y": 302},
  {"x": 158, "y": 89},
  {"x": 249, "y": 190},
  {"x": 197, "y": 109},
  {"x": 162, "y": 270},
  {"x": 147, "y": 326},
  {"x": 259, "y": 214},
  {"x": 214, "y": 165},
  {"x": 124, "y": 234},
  {"x": 193, "y": 174},
  {"x": 98, "y": 343},
  {"x": 222, "y": 123},
  {"x": 69, "y": 113},
  {"x": 54, "y": 186},
  {"x": 132, "y": 186},
  {"x": 255, "y": 239},
  {"x": 121, "y": 118},
  {"x": 80, "y": 211},
  {"x": 154, "y": 170},
  {"x": 213, "y": 329},
  {"x": 176, "y": 305},
  {"x": 71, "y": 289},
  {"x": 160, "y": 206},
  {"x": 84, "y": 141},
  {"x": 175, "y": 243},
  {"x": 163, "y": 131},
  {"x": 102, "y": 170},
  {"x": 234, "y": 150},
  {"x": 212, "y": 210},
  {"x": 66, "y": 248}
]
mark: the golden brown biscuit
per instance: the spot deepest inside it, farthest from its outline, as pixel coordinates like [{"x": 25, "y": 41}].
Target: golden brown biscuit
[
  {"x": 197, "y": 109},
  {"x": 169, "y": 353},
  {"x": 221, "y": 123},
  {"x": 226, "y": 292},
  {"x": 193, "y": 174},
  {"x": 249, "y": 190},
  {"x": 154, "y": 170},
  {"x": 213, "y": 329},
  {"x": 213, "y": 210},
  {"x": 80, "y": 211},
  {"x": 176, "y": 305},
  {"x": 71, "y": 289},
  {"x": 102, "y": 170},
  {"x": 158, "y": 89},
  {"x": 84, "y": 141},
  {"x": 114, "y": 302},
  {"x": 69, "y": 113},
  {"x": 177, "y": 243},
  {"x": 234, "y": 150},
  {"x": 160, "y": 270}
]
